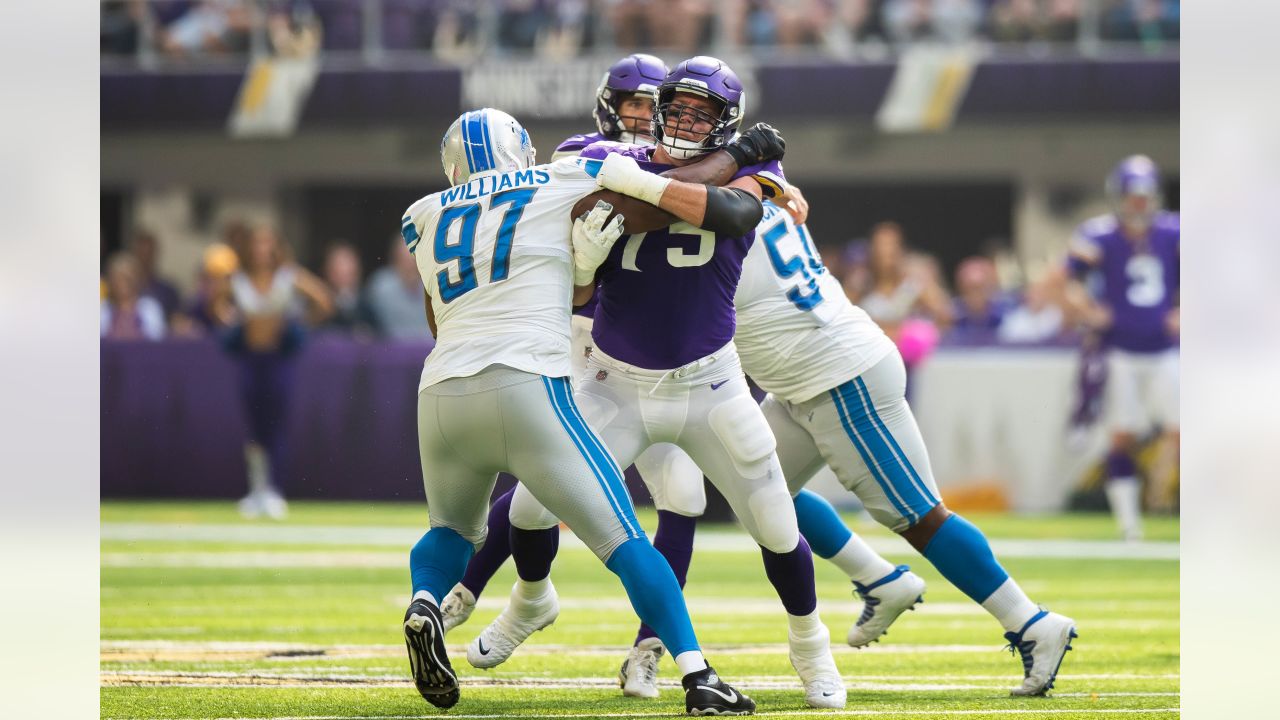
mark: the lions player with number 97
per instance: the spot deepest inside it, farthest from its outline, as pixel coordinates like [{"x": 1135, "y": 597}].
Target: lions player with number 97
[
  {"x": 1125, "y": 269},
  {"x": 500, "y": 253}
]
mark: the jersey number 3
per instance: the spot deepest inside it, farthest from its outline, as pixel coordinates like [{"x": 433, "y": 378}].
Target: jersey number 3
[
  {"x": 1146, "y": 281},
  {"x": 460, "y": 255}
]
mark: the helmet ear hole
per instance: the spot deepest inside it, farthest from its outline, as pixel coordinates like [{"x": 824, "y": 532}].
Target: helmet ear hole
[{"x": 484, "y": 141}]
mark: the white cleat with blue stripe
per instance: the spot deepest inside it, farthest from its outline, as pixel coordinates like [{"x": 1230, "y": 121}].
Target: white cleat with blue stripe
[
  {"x": 884, "y": 600},
  {"x": 1043, "y": 642},
  {"x": 520, "y": 619}
]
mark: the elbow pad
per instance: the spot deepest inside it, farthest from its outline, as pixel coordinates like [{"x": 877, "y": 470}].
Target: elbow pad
[{"x": 732, "y": 212}]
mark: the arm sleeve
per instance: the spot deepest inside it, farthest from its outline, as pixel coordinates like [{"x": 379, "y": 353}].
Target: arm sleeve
[{"x": 731, "y": 212}]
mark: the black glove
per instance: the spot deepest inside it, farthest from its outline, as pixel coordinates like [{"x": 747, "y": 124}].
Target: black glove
[{"x": 760, "y": 143}]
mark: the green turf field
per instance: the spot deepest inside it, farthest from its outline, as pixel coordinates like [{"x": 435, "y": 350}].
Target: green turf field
[{"x": 205, "y": 615}]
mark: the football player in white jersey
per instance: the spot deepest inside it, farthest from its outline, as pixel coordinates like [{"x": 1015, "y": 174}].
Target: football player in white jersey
[
  {"x": 836, "y": 397},
  {"x": 496, "y": 258}
]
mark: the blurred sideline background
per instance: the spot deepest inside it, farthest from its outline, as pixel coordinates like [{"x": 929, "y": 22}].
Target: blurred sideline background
[{"x": 973, "y": 134}]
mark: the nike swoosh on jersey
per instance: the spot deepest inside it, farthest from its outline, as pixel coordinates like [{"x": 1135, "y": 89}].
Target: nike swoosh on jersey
[
  {"x": 731, "y": 697},
  {"x": 716, "y": 386}
]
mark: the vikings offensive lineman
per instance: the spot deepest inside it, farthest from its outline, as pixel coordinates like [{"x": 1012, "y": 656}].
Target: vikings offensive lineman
[
  {"x": 496, "y": 258},
  {"x": 836, "y": 397},
  {"x": 664, "y": 368},
  {"x": 1130, "y": 261},
  {"x": 624, "y": 113}
]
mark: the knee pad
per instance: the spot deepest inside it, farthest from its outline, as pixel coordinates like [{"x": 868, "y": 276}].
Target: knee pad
[
  {"x": 742, "y": 429},
  {"x": 774, "y": 516},
  {"x": 674, "y": 480},
  {"x": 528, "y": 514}
]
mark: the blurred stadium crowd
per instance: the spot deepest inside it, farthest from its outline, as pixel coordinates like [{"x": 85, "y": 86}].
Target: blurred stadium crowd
[
  {"x": 456, "y": 29},
  {"x": 986, "y": 303}
]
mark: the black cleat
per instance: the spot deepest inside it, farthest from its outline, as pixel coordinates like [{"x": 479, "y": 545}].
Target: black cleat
[
  {"x": 428, "y": 661},
  {"x": 706, "y": 694}
]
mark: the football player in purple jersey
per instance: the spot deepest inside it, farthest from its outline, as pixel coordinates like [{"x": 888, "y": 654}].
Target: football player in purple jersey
[
  {"x": 624, "y": 105},
  {"x": 1125, "y": 271},
  {"x": 664, "y": 368}
]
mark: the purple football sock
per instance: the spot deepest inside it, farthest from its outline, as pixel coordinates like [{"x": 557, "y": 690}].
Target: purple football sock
[
  {"x": 674, "y": 539},
  {"x": 792, "y": 576},
  {"x": 1120, "y": 465},
  {"x": 534, "y": 551},
  {"x": 496, "y": 550}
]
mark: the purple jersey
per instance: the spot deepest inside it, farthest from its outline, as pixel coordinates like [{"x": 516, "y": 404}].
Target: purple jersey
[
  {"x": 574, "y": 144},
  {"x": 1136, "y": 280},
  {"x": 666, "y": 296}
]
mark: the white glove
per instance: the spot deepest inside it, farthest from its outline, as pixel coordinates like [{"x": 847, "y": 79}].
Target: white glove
[
  {"x": 621, "y": 174},
  {"x": 592, "y": 241}
]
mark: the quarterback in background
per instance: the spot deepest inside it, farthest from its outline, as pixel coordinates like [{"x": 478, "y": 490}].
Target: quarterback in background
[{"x": 1125, "y": 270}]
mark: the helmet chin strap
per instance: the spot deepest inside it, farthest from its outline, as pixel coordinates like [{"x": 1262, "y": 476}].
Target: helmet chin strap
[
  {"x": 634, "y": 138},
  {"x": 682, "y": 149}
]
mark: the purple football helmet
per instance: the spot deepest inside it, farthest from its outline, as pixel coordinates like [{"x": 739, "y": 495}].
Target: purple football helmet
[
  {"x": 637, "y": 74},
  {"x": 1133, "y": 189},
  {"x": 710, "y": 78}
]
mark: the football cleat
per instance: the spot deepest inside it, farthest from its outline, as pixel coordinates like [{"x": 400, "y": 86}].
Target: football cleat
[
  {"x": 706, "y": 694},
  {"x": 428, "y": 660},
  {"x": 639, "y": 674},
  {"x": 457, "y": 607},
  {"x": 1043, "y": 642},
  {"x": 520, "y": 619},
  {"x": 811, "y": 657},
  {"x": 883, "y": 601}
]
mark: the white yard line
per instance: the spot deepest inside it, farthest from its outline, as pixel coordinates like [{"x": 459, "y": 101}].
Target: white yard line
[
  {"x": 298, "y": 680},
  {"x": 766, "y": 713},
  {"x": 404, "y": 538}
]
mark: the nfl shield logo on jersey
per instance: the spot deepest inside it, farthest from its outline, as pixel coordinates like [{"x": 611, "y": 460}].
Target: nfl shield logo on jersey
[{"x": 600, "y": 376}]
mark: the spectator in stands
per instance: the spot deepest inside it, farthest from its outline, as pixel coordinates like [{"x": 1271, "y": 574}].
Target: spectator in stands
[
  {"x": 1150, "y": 21},
  {"x": 457, "y": 31},
  {"x": 145, "y": 246},
  {"x": 979, "y": 307},
  {"x": 396, "y": 298},
  {"x": 213, "y": 309},
  {"x": 1038, "y": 318},
  {"x": 913, "y": 20},
  {"x": 521, "y": 22},
  {"x": 208, "y": 27},
  {"x": 270, "y": 291},
  {"x": 899, "y": 290},
  {"x": 1063, "y": 22},
  {"x": 343, "y": 274},
  {"x": 1015, "y": 21},
  {"x": 120, "y": 25},
  {"x": 127, "y": 314}
]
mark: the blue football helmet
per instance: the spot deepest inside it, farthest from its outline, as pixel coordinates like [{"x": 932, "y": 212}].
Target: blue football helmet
[{"x": 484, "y": 141}]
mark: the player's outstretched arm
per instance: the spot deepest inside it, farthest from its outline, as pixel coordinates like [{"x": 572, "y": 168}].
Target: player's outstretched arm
[
  {"x": 758, "y": 144},
  {"x": 732, "y": 211}
]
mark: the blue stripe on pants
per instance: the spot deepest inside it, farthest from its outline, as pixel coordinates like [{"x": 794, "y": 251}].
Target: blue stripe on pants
[
  {"x": 601, "y": 463},
  {"x": 865, "y": 395},
  {"x": 867, "y": 457}
]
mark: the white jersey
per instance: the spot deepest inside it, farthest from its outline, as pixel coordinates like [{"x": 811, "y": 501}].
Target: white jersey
[
  {"x": 496, "y": 258},
  {"x": 798, "y": 335}
]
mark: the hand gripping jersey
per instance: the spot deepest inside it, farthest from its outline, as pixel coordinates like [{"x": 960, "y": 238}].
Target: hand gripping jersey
[
  {"x": 666, "y": 296},
  {"x": 1138, "y": 281},
  {"x": 798, "y": 335},
  {"x": 496, "y": 259}
]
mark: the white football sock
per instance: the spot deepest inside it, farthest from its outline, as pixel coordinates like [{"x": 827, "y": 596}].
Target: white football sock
[
  {"x": 424, "y": 595},
  {"x": 690, "y": 661},
  {"x": 1125, "y": 497},
  {"x": 1010, "y": 606},
  {"x": 803, "y": 626},
  {"x": 860, "y": 562},
  {"x": 531, "y": 590}
]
